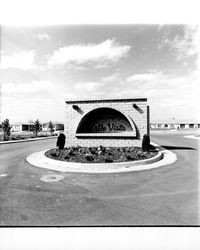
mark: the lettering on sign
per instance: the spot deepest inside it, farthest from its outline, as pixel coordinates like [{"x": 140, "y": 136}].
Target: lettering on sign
[
  {"x": 110, "y": 127},
  {"x": 99, "y": 128}
]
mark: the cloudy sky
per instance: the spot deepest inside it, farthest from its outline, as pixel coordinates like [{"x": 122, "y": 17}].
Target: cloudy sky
[{"x": 43, "y": 66}]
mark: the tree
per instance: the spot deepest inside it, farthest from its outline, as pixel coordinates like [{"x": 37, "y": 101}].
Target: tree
[
  {"x": 37, "y": 127},
  {"x": 6, "y": 129},
  {"x": 51, "y": 127}
]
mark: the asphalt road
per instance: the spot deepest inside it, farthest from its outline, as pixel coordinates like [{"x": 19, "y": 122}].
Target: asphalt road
[{"x": 164, "y": 196}]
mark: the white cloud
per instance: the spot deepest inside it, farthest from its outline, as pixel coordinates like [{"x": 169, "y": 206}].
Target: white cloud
[
  {"x": 172, "y": 104},
  {"x": 93, "y": 87},
  {"x": 159, "y": 80},
  {"x": 101, "y": 65},
  {"x": 107, "y": 51},
  {"x": 75, "y": 67},
  {"x": 158, "y": 87},
  {"x": 25, "y": 88},
  {"x": 160, "y": 27},
  {"x": 18, "y": 60},
  {"x": 162, "y": 89},
  {"x": 88, "y": 86},
  {"x": 42, "y": 36},
  {"x": 186, "y": 45},
  {"x": 111, "y": 78},
  {"x": 145, "y": 77},
  {"x": 167, "y": 94}
]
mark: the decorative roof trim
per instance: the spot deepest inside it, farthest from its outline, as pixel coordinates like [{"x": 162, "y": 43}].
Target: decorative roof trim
[{"x": 109, "y": 99}]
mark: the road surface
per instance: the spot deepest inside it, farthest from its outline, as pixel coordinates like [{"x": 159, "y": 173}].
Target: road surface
[{"x": 164, "y": 196}]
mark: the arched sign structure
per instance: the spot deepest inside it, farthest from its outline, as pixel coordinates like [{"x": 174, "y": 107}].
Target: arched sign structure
[
  {"x": 110, "y": 122},
  {"x": 104, "y": 120}
]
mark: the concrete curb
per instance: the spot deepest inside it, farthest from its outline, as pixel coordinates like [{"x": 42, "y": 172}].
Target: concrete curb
[
  {"x": 176, "y": 131},
  {"x": 164, "y": 157},
  {"x": 27, "y": 140},
  {"x": 192, "y": 137},
  {"x": 38, "y": 159}
]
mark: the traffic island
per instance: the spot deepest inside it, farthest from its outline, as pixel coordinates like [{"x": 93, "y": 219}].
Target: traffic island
[
  {"x": 119, "y": 125},
  {"x": 163, "y": 157}
]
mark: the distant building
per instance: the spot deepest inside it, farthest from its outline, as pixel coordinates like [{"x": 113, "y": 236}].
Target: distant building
[
  {"x": 57, "y": 126},
  {"x": 175, "y": 125},
  {"x": 22, "y": 127},
  {"x": 29, "y": 127}
]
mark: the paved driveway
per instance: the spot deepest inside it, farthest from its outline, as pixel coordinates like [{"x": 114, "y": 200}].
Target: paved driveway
[{"x": 164, "y": 196}]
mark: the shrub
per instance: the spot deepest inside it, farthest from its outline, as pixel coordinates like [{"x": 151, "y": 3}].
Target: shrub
[
  {"x": 128, "y": 157},
  {"x": 6, "y": 129},
  {"x": 67, "y": 156},
  {"x": 78, "y": 148},
  {"x": 108, "y": 160},
  {"x": 61, "y": 141},
  {"x": 92, "y": 150},
  {"x": 89, "y": 157},
  {"x": 132, "y": 149},
  {"x": 54, "y": 154},
  {"x": 83, "y": 151},
  {"x": 122, "y": 150},
  {"x": 102, "y": 149},
  {"x": 71, "y": 152},
  {"x": 146, "y": 143},
  {"x": 137, "y": 156},
  {"x": 107, "y": 150}
]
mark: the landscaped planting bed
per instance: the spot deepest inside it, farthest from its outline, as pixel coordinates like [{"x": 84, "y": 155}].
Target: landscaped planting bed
[{"x": 100, "y": 154}]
